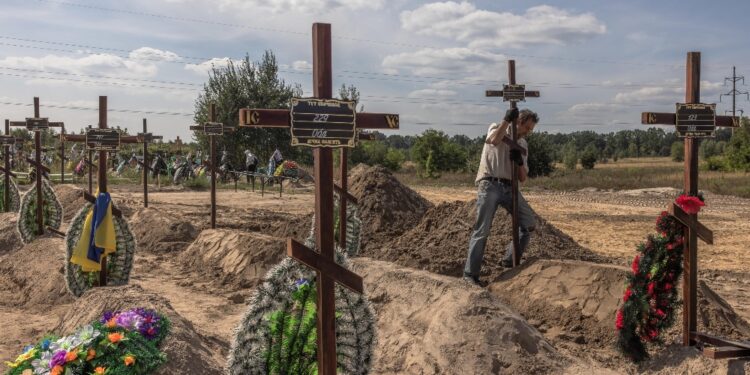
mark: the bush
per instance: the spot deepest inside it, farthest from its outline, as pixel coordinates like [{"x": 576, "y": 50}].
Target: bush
[
  {"x": 393, "y": 159},
  {"x": 570, "y": 156},
  {"x": 716, "y": 163},
  {"x": 540, "y": 155},
  {"x": 589, "y": 157},
  {"x": 738, "y": 150},
  {"x": 677, "y": 151},
  {"x": 434, "y": 152}
]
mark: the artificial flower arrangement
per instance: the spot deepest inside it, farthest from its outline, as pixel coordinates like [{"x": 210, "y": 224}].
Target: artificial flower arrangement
[
  {"x": 119, "y": 263},
  {"x": 52, "y": 211},
  {"x": 123, "y": 342},
  {"x": 287, "y": 169},
  {"x": 277, "y": 334},
  {"x": 15, "y": 197},
  {"x": 651, "y": 295}
]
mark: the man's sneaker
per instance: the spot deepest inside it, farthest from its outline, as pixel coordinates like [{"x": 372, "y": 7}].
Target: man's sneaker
[{"x": 473, "y": 280}]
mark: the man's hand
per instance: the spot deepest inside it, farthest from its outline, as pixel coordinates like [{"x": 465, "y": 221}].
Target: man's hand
[
  {"x": 511, "y": 115},
  {"x": 515, "y": 156}
]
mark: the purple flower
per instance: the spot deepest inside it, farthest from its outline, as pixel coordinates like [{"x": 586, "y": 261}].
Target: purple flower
[
  {"x": 58, "y": 359},
  {"x": 129, "y": 320},
  {"x": 107, "y": 316}
]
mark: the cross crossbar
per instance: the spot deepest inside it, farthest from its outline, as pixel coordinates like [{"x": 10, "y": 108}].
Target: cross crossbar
[
  {"x": 281, "y": 118},
  {"x": 10, "y": 173},
  {"x": 499, "y": 93},
  {"x": 657, "y": 118},
  {"x": 691, "y": 222},
  {"x": 325, "y": 266}
]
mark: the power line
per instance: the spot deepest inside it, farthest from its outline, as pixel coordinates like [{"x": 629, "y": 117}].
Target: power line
[
  {"x": 734, "y": 79},
  {"x": 80, "y": 108},
  {"x": 102, "y": 77}
]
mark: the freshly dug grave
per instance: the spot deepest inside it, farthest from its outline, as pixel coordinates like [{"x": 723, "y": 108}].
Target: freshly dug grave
[
  {"x": 234, "y": 260},
  {"x": 273, "y": 223},
  {"x": 387, "y": 207},
  {"x": 160, "y": 233},
  {"x": 574, "y": 305},
  {"x": 188, "y": 350},
  {"x": 33, "y": 276},
  {"x": 9, "y": 238},
  {"x": 71, "y": 198},
  {"x": 439, "y": 243},
  {"x": 433, "y": 324}
]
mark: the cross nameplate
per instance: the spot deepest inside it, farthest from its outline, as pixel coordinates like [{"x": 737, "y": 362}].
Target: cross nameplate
[
  {"x": 323, "y": 122},
  {"x": 106, "y": 139}
]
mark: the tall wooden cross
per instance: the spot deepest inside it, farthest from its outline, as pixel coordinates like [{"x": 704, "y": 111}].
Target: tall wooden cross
[
  {"x": 7, "y": 141},
  {"x": 321, "y": 130},
  {"x": 693, "y": 121},
  {"x": 212, "y": 129},
  {"x": 146, "y": 138},
  {"x": 37, "y": 124},
  {"x": 514, "y": 93}
]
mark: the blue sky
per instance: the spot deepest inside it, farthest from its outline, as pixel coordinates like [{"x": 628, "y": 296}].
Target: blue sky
[{"x": 598, "y": 64}]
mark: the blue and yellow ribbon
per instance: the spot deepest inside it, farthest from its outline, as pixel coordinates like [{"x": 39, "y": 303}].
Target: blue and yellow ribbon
[{"x": 98, "y": 236}]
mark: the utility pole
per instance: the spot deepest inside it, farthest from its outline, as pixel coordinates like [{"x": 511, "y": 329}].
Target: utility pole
[{"x": 734, "y": 79}]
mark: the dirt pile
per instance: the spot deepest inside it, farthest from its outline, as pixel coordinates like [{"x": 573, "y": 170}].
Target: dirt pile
[
  {"x": 9, "y": 238},
  {"x": 232, "y": 259},
  {"x": 387, "y": 207},
  {"x": 718, "y": 317},
  {"x": 159, "y": 233},
  {"x": 34, "y": 275},
  {"x": 433, "y": 324},
  {"x": 188, "y": 351},
  {"x": 440, "y": 241},
  {"x": 71, "y": 198}
]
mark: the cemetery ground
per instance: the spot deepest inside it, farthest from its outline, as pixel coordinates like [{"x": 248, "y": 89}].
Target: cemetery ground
[{"x": 554, "y": 314}]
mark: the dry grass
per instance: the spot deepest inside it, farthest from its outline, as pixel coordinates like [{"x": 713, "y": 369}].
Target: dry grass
[{"x": 624, "y": 174}]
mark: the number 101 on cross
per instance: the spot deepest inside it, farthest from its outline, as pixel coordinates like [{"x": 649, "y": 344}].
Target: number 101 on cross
[{"x": 323, "y": 122}]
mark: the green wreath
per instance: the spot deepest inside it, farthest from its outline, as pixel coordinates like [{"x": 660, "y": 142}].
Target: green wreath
[
  {"x": 277, "y": 335},
  {"x": 52, "y": 212},
  {"x": 15, "y": 197},
  {"x": 119, "y": 263}
]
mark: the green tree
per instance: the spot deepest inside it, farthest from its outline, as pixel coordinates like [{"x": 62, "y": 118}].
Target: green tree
[
  {"x": 434, "y": 149},
  {"x": 248, "y": 84},
  {"x": 541, "y": 153},
  {"x": 738, "y": 150},
  {"x": 570, "y": 155},
  {"x": 678, "y": 151},
  {"x": 589, "y": 157}
]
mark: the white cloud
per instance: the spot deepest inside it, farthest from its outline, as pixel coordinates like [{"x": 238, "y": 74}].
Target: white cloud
[
  {"x": 282, "y": 6},
  {"x": 97, "y": 64},
  {"x": 432, "y": 93},
  {"x": 148, "y": 53},
  {"x": 205, "y": 67},
  {"x": 301, "y": 65},
  {"x": 429, "y": 61},
  {"x": 667, "y": 94},
  {"x": 481, "y": 28}
]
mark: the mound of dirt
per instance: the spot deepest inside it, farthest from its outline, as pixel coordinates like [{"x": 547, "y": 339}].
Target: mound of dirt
[
  {"x": 9, "y": 238},
  {"x": 432, "y": 324},
  {"x": 34, "y": 275},
  {"x": 71, "y": 198},
  {"x": 232, "y": 259},
  {"x": 188, "y": 351},
  {"x": 718, "y": 317},
  {"x": 387, "y": 207},
  {"x": 159, "y": 233},
  {"x": 440, "y": 241}
]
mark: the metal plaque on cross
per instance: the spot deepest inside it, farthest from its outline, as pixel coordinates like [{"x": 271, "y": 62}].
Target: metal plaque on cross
[
  {"x": 514, "y": 93},
  {"x": 37, "y": 123},
  {"x": 102, "y": 139},
  {"x": 323, "y": 122},
  {"x": 7, "y": 140},
  {"x": 696, "y": 120},
  {"x": 213, "y": 128}
]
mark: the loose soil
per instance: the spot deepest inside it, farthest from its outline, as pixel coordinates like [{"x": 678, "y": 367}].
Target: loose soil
[{"x": 9, "y": 238}]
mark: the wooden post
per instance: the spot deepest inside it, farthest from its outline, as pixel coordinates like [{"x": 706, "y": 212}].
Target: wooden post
[
  {"x": 343, "y": 180},
  {"x": 62, "y": 155},
  {"x": 6, "y": 177},
  {"x": 212, "y": 141},
  {"x": 90, "y": 167},
  {"x": 102, "y": 177},
  {"x": 144, "y": 171},
  {"x": 39, "y": 172}
]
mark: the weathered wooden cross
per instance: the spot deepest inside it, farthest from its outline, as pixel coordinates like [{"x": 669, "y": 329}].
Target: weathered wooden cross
[
  {"x": 146, "y": 138},
  {"x": 7, "y": 141},
  {"x": 37, "y": 124},
  {"x": 693, "y": 121},
  {"x": 514, "y": 93},
  {"x": 322, "y": 123},
  {"x": 212, "y": 129}
]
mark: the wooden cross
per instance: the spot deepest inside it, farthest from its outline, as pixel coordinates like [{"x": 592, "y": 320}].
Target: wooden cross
[
  {"x": 514, "y": 93},
  {"x": 146, "y": 138},
  {"x": 37, "y": 124},
  {"x": 212, "y": 129},
  {"x": 328, "y": 271},
  {"x": 693, "y": 228},
  {"x": 7, "y": 141}
]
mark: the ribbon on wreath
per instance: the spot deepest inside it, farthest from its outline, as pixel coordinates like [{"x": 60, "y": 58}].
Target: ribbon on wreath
[{"x": 98, "y": 236}]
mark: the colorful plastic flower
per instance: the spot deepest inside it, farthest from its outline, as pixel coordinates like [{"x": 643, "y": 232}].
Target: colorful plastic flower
[
  {"x": 627, "y": 295},
  {"x": 634, "y": 266},
  {"x": 87, "y": 334},
  {"x": 691, "y": 205},
  {"x": 71, "y": 356},
  {"x": 57, "y": 370},
  {"x": 129, "y": 360},
  {"x": 129, "y": 320},
  {"x": 41, "y": 365},
  {"x": 620, "y": 322},
  {"x": 27, "y": 354},
  {"x": 58, "y": 359},
  {"x": 115, "y": 337},
  {"x": 100, "y": 370},
  {"x": 91, "y": 354}
]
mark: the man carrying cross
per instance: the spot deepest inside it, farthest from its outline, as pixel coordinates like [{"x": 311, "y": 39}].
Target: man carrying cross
[{"x": 494, "y": 189}]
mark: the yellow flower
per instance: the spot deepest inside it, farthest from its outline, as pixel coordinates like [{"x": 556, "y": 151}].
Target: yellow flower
[
  {"x": 129, "y": 360},
  {"x": 22, "y": 358},
  {"x": 91, "y": 354},
  {"x": 100, "y": 370}
]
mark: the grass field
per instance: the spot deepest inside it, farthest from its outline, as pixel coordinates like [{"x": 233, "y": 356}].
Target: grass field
[{"x": 624, "y": 174}]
